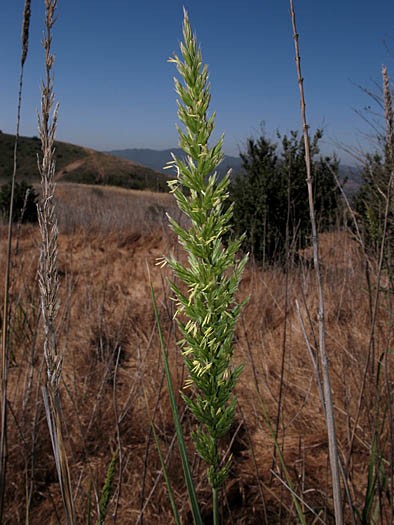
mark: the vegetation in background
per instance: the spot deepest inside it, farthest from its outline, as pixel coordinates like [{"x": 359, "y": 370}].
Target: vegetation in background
[
  {"x": 25, "y": 202},
  {"x": 271, "y": 199},
  {"x": 370, "y": 206}
]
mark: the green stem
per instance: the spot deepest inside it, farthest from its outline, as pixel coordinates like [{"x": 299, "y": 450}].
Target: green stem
[{"x": 215, "y": 506}]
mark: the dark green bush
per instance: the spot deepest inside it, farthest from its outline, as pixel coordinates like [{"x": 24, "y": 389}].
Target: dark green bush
[
  {"x": 25, "y": 199},
  {"x": 370, "y": 204},
  {"x": 271, "y": 200}
]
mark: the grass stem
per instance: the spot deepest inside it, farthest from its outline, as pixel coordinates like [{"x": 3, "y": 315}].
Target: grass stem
[
  {"x": 5, "y": 327},
  {"x": 329, "y": 408}
]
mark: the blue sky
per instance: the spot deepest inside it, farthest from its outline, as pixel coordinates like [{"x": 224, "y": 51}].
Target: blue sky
[{"x": 115, "y": 87}]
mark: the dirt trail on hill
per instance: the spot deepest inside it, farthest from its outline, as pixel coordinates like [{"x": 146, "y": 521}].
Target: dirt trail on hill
[{"x": 70, "y": 167}]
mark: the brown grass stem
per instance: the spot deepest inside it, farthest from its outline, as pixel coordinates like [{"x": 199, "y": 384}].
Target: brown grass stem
[
  {"x": 118, "y": 435},
  {"x": 284, "y": 337},
  {"x": 321, "y": 394},
  {"x": 330, "y": 420},
  {"x": 5, "y": 328},
  {"x": 293, "y": 493}
]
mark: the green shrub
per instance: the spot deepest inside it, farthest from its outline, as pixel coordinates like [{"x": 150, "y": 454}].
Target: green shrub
[
  {"x": 25, "y": 199},
  {"x": 271, "y": 200},
  {"x": 370, "y": 206}
]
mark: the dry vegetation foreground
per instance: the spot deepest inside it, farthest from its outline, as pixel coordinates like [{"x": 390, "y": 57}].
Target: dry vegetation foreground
[{"x": 113, "y": 382}]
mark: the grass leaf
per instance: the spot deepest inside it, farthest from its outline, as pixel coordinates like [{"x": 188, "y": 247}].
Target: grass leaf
[
  {"x": 168, "y": 483},
  {"x": 181, "y": 442}
]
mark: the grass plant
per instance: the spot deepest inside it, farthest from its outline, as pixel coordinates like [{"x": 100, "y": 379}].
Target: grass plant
[
  {"x": 107, "y": 490},
  {"x": 48, "y": 274},
  {"x": 327, "y": 392},
  {"x": 5, "y": 319},
  {"x": 207, "y": 311}
]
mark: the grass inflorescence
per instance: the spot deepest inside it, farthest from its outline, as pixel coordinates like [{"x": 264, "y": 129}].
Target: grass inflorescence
[{"x": 207, "y": 313}]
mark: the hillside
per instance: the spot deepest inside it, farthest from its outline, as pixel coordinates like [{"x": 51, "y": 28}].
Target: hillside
[
  {"x": 157, "y": 159},
  {"x": 77, "y": 164}
]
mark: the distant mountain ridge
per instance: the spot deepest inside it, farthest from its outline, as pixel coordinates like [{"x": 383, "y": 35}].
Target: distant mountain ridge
[
  {"x": 129, "y": 168},
  {"x": 157, "y": 159}
]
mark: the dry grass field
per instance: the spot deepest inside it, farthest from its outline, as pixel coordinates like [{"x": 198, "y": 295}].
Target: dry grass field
[
  {"x": 113, "y": 380},
  {"x": 84, "y": 393}
]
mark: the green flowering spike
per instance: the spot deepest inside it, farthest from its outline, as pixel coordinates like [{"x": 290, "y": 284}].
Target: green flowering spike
[
  {"x": 217, "y": 478},
  {"x": 207, "y": 310}
]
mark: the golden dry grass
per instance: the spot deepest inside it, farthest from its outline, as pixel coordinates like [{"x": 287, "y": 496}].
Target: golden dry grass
[
  {"x": 107, "y": 329},
  {"x": 108, "y": 208}
]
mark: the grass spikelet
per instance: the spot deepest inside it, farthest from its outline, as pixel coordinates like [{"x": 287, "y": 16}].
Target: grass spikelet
[{"x": 108, "y": 489}]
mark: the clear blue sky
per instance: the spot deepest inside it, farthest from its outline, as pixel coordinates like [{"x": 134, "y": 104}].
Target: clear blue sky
[{"x": 115, "y": 87}]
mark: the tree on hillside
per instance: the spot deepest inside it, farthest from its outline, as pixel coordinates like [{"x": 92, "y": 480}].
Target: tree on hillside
[{"x": 271, "y": 200}]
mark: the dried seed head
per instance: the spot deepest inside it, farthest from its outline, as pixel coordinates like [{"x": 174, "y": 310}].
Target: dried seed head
[
  {"x": 388, "y": 114},
  {"x": 25, "y": 30}
]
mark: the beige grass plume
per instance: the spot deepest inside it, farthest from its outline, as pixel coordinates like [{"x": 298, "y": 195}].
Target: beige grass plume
[{"x": 48, "y": 274}]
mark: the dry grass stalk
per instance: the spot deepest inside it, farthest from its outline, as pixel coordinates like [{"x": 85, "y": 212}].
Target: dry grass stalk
[
  {"x": 389, "y": 117},
  {"x": 48, "y": 277},
  {"x": 388, "y": 114},
  {"x": 389, "y": 142},
  {"x": 48, "y": 274},
  {"x": 5, "y": 328},
  {"x": 329, "y": 409},
  {"x": 25, "y": 31}
]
